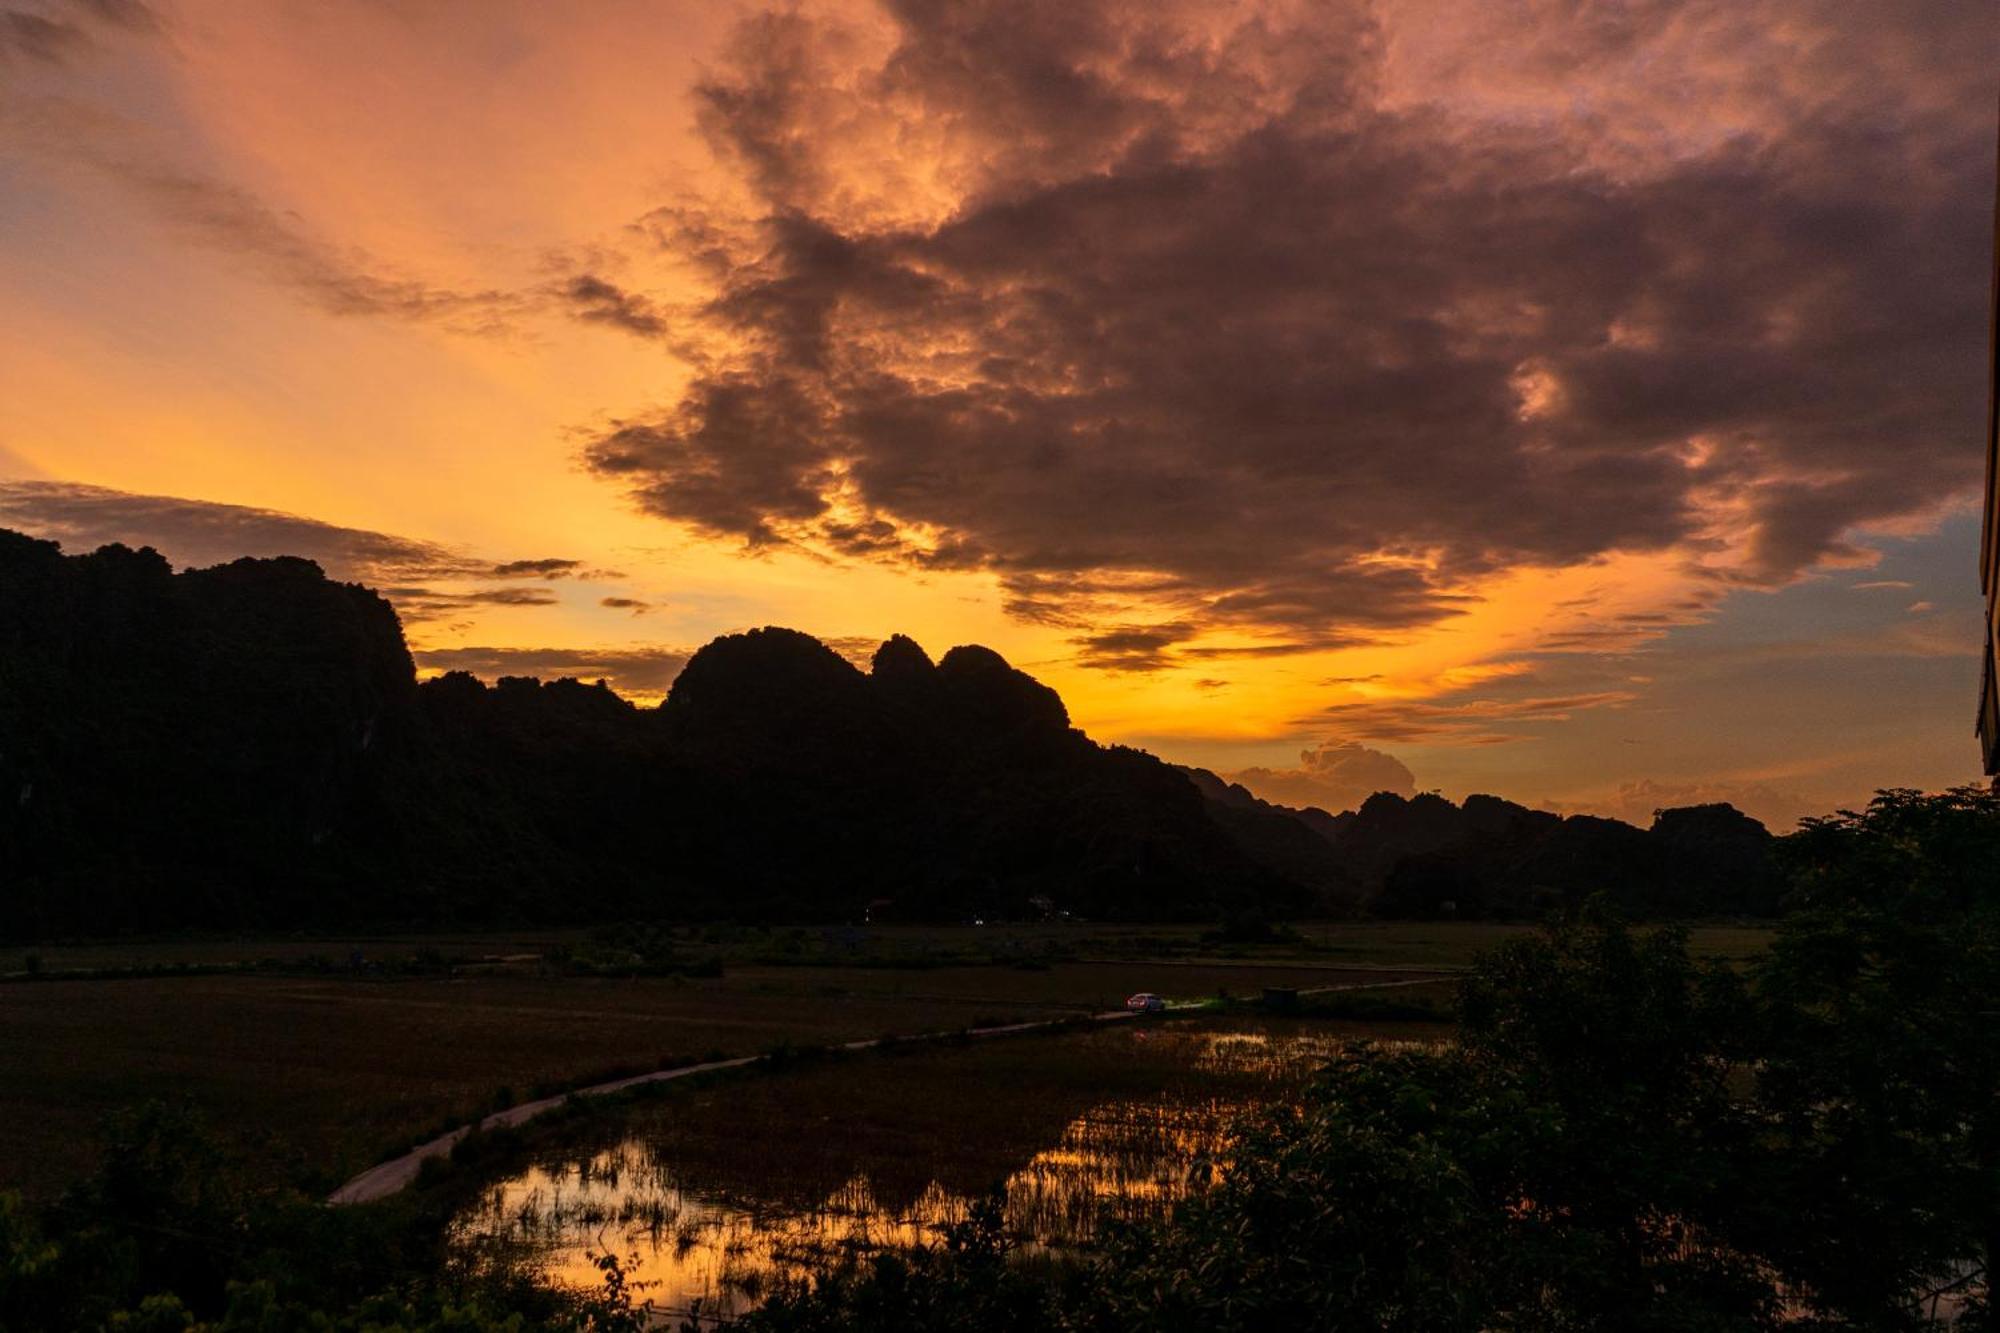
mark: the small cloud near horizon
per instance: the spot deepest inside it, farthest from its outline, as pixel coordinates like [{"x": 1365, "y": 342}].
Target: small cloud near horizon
[
  {"x": 1334, "y": 776},
  {"x": 1777, "y": 808}
]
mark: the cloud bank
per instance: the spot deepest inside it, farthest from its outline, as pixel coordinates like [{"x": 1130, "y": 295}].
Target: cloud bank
[
  {"x": 1780, "y": 808},
  {"x": 1293, "y": 322},
  {"x": 406, "y": 570}
]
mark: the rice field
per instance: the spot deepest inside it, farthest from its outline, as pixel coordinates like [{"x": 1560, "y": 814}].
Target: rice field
[
  {"x": 317, "y": 1057},
  {"x": 714, "y": 1196}
]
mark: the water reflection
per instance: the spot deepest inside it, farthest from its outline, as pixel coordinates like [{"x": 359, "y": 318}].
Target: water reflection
[{"x": 714, "y": 1218}]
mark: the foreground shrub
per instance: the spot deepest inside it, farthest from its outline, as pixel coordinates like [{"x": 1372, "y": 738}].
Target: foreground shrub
[{"x": 1623, "y": 1139}]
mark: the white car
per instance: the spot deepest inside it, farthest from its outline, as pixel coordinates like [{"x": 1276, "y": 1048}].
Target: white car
[{"x": 1145, "y": 1002}]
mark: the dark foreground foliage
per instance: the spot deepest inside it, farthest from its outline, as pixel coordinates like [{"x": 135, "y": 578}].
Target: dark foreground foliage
[
  {"x": 170, "y": 1237},
  {"x": 1624, "y": 1138}
]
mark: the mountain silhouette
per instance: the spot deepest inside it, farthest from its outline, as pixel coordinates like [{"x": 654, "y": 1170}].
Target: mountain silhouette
[
  {"x": 248, "y": 746},
  {"x": 1494, "y": 859}
]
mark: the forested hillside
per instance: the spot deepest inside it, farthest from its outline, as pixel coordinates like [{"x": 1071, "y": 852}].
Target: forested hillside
[{"x": 248, "y": 746}]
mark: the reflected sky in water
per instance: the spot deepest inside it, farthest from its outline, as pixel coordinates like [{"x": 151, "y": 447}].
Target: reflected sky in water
[{"x": 697, "y": 1223}]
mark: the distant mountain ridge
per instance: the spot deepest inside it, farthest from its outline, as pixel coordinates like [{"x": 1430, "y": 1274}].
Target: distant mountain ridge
[
  {"x": 249, "y": 746},
  {"x": 1490, "y": 858},
  {"x": 1494, "y": 859}
]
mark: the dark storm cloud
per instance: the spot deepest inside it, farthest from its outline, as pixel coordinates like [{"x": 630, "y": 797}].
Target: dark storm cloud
[
  {"x": 419, "y": 605},
  {"x": 1131, "y": 647},
  {"x": 283, "y": 247},
  {"x": 203, "y": 532},
  {"x": 52, "y": 33},
  {"x": 37, "y": 37},
  {"x": 223, "y": 217},
  {"x": 536, "y": 569},
  {"x": 630, "y": 670},
  {"x": 1215, "y": 315},
  {"x": 132, "y": 14},
  {"x": 598, "y": 301},
  {"x": 278, "y": 244},
  {"x": 1462, "y": 720},
  {"x": 231, "y": 219},
  {"x": 1160, "y": 647},
  {"x": 510, "y": 597}
]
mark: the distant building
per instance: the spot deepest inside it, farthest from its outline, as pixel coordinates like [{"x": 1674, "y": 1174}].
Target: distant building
[{"x": 1989, "y": 549}]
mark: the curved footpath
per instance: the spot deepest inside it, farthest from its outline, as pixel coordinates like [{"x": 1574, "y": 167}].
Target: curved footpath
[{"x": 379, "y": 1182}]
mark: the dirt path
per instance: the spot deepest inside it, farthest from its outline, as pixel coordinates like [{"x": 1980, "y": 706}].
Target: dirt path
[{"x": 392, "y": 1176}]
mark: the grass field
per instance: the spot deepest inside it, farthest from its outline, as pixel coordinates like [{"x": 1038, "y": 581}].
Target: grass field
[{"x": 322, "y": 1056}]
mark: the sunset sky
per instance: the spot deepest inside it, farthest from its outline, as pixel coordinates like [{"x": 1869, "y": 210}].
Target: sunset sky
[{"x": 1581, "y": 402}]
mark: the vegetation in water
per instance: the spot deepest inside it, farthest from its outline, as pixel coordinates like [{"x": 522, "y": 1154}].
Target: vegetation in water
[
  {"x": 716, "y": 1192},
  {"x": 1624, "y": 1137}
]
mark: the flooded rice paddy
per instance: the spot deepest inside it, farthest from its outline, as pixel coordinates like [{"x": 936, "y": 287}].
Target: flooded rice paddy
[{"x": 712, "y": 1196}]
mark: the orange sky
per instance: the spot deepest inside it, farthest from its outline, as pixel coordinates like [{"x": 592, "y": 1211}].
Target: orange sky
[{"x": 323, "y": 260}]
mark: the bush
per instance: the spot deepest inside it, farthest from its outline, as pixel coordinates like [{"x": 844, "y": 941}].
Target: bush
[{"x": 1623, "y": 1138}]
